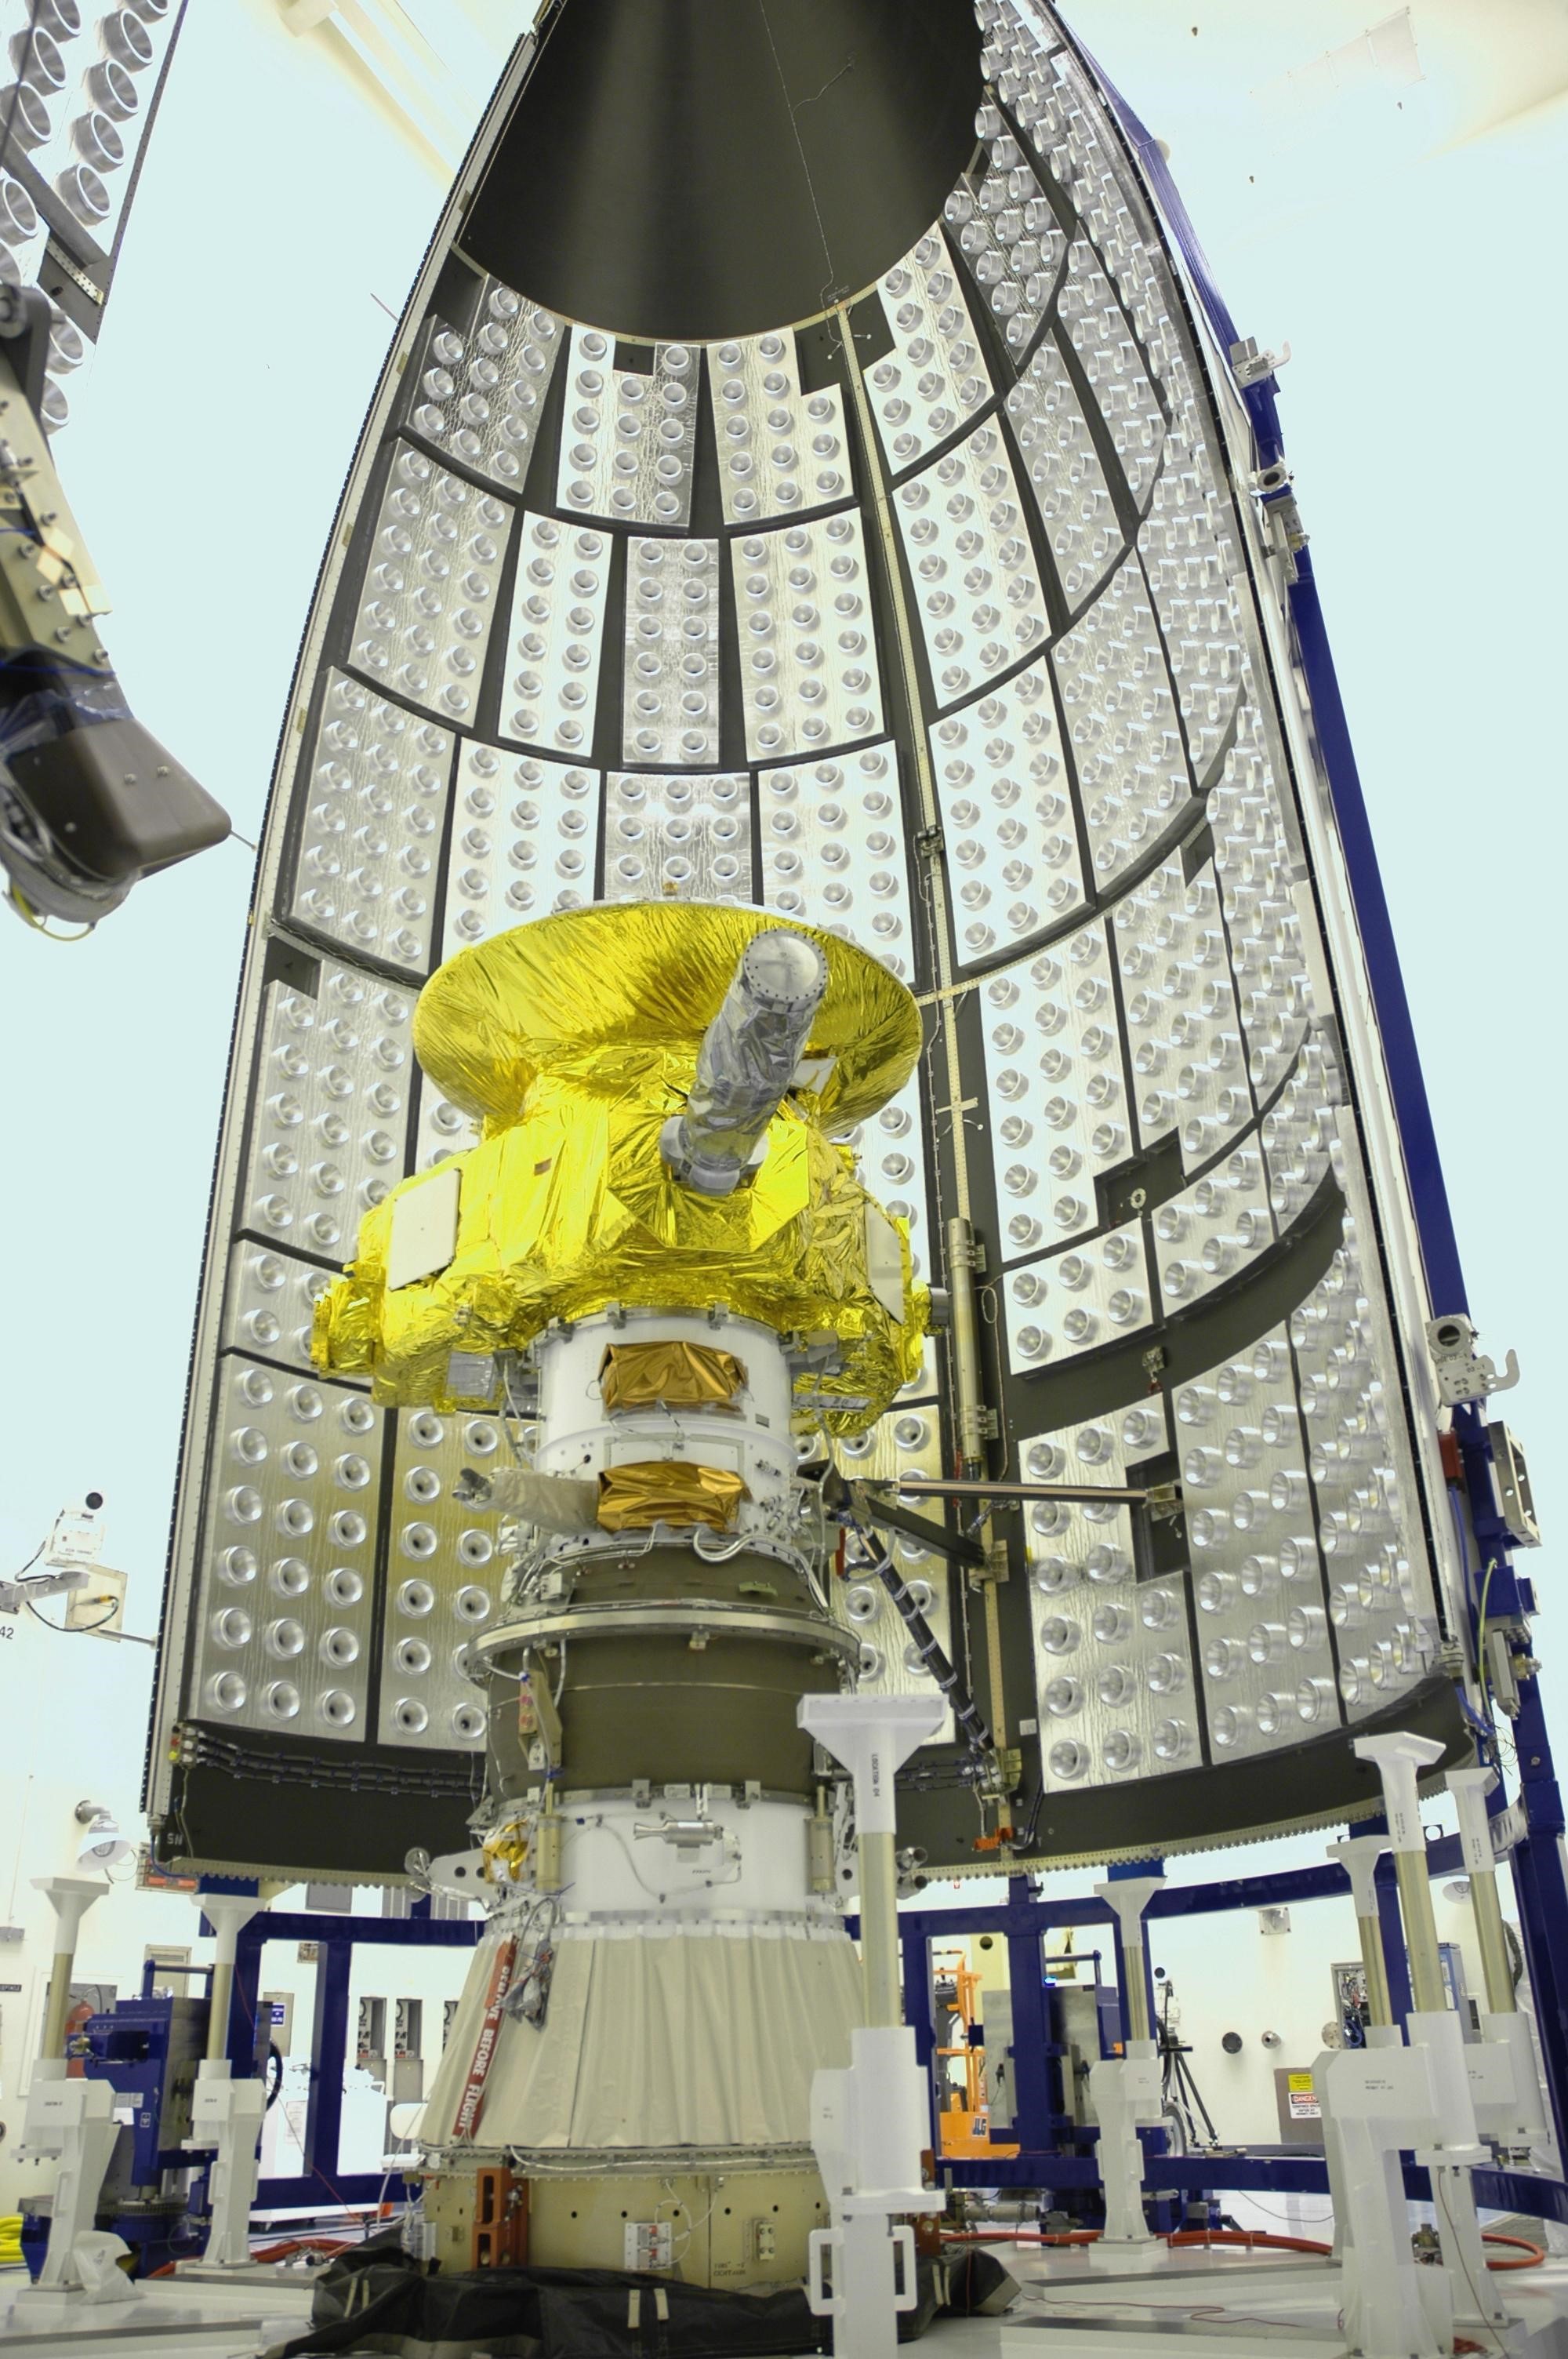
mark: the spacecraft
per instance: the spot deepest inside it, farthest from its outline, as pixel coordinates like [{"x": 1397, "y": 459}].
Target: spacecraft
[{"x": 818, "y": 1104}]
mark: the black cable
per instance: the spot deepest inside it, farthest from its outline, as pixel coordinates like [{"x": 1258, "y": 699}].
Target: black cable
[
  {"x": 31, "y": 1561},
  {"x": 977, "y": 1735},
  {"x": 69, "y": 1629}
]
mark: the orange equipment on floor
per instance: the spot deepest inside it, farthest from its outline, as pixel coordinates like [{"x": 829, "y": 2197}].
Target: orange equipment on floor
[{"x": 964, "y": 2122}]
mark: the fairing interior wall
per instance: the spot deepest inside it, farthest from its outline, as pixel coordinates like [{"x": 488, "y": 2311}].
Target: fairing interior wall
[{"x": 939, "y": 619}]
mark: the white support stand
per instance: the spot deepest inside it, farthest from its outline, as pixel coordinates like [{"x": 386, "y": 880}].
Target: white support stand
[
  {"x": 225, "y": 2114},
  {"x": 1385, "y": 2098},
  {"x": 871, "y": 2123},
  {"x": 1125, "y": 2091},
  {"x": 1358, "y": 1856},
  {"x": 1505, "y": 2080},
  {"x": 72, "y": 2122},
  {"x": 1377, "y": 2100},
  {"x": 226, "y": 2120}
]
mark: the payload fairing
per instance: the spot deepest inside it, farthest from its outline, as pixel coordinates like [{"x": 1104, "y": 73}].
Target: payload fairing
[{"x": 799, "y": 507}]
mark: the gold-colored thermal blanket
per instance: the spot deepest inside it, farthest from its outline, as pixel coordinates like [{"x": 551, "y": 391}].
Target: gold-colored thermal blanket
[
  {"x": 668, "y": 1491},
  {"x": 671, "y": 1374}
]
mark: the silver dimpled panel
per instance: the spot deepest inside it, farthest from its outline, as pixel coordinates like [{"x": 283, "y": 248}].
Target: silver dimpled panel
[
  {"x": 1012, "y": 841},
  {"x": 1007, "y": 233},
  {"x": 441, "y": 1128},
  {"x": 1055, "y": 105},
  {"x": 1268, "y": 1662},
  {"x": 288, "y": 1555},
  {"x": 781, "y": 450},
  {"x": 982, "y": 611},
  {"x": 428, "y": 604},
  {"x": 1380, "y": 1605},
  {"x": 935, "y": 379},
  {"x": 270, "y": 1301},
  {"x": 556, "y": 635},
  {"x": 1189, "y": 579},
  {"x": 627, "y": 438},
  {"x": 833, "y": 851},
  {"x": 1113, "y": 1666},
  {"x": 671, "y": 833},
  {"x": 442, "y": 1580},
  {"x": 1184, "y": 1031},
  {"x": 1257, "y": 867},
  {"x": 670, "y": 693},
  {"x": 892, "y": 1151},
  {"x": 1056, "y": 1091},
  {"x": 1301, "y": 1139},
  {"x": 1121, "y": 724},
  {"x": 1215, "y": 1229},
  {"x": 366, "y": 872},
  {"x": 1107, "y": 350},
  {"x": 1097, "y": 1292},
  {"x": 808, "y": 654},
  {"x": 479, "y": 396},
  {"x": 525, "y": 841},
  {"x": 1066, "y": 480},
  {"x": 332, "y": 1111},
  {"x": 1012, "y": 58}
]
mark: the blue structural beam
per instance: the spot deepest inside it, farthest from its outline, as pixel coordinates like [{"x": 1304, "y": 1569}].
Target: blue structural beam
[
  {"x": 1286, "y": 2172},
  {"x": 1034, "y": 2098},
  {"x": 1501, "y": 1595},
  {"x": 1024, "y": 1916},
  {"x": 329, "y": 2057},
  {"x": 336, "y": 1939},
  {"x": 919, "y": 2011},
  {"x": 1023, "y": 1911}
]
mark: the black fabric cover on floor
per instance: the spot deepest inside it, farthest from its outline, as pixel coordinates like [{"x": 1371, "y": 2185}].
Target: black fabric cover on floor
[
  {"x": 375, "y": 2298},
  {"x": 978, "y": 2286}
]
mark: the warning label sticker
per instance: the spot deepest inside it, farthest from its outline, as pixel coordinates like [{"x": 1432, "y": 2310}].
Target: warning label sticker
[{"x": 1300, "y": 2098}]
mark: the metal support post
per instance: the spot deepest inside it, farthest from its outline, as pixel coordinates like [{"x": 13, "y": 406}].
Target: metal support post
[
  {"x": 964, "y": 1336},
  {"x": 1359, "y": 1855},
  {"x": 71, "y": 2123},
  {"x": 1391, "y": 1925},
  {"x": 1126, "y": 2088},
  {"x": 869, "y": 2123},
  {"x": 1399, "y": 1759},
  {"x": 71, "y": 1897},
  {"x": 1382, "y": 2100},
  {"x": 1469, "y": 1788},
  {"x": 226, "y": 2109},
  {"x": 1503, "y": 2076}
]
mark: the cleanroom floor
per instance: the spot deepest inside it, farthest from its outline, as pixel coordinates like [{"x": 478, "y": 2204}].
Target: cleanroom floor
[{"x": 1216, "y": 2303}]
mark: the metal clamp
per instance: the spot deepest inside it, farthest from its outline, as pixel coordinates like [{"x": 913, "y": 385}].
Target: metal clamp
[{"x": 1464, "y": 1374}]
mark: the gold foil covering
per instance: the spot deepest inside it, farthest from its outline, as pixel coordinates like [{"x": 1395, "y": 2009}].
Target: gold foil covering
[
  {"x": 668, "y": 1491},
  {"x": 673, "y": 1375},
  {"x": 577, "y": 1044},
  {"x": 599, "y": 992}
]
